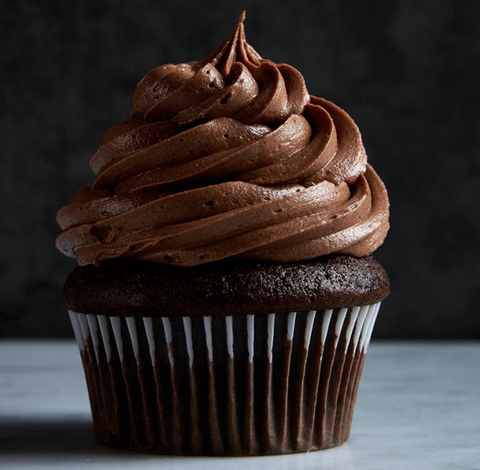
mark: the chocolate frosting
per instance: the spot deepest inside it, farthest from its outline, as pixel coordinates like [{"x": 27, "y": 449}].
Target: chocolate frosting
[{"x": 227, "y": 157}]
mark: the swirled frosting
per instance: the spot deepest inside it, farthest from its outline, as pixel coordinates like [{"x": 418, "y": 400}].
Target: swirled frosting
[{"x": 227, "y": 157}]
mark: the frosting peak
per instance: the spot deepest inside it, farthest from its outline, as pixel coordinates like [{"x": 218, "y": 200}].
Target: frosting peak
[
  {"x": 234, "y": 49},
  {"x": 233, "y": 81},
  {"x": 228, "y": 156}
]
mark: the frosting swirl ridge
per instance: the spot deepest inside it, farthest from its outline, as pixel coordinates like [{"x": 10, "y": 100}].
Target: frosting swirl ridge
[{"x": 227, "y": 157}]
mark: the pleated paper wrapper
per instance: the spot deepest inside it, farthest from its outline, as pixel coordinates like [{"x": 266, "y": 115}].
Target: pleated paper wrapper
[{"x": 224, "y": 385}]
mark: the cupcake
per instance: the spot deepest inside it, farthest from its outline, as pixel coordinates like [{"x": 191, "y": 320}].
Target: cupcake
[{"x": 226, "y": 290}]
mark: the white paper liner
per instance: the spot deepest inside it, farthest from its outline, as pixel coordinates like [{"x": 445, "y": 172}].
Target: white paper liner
[{"x": 207, "y": 385}]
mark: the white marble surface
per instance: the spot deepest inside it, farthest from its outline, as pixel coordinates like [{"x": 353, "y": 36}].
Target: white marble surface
[{"x": 418, "y": 408}]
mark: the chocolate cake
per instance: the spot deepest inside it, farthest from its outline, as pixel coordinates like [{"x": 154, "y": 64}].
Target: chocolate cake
[
  {"x": 227, "y": 290},
  {"x": 127, "y": 287}
]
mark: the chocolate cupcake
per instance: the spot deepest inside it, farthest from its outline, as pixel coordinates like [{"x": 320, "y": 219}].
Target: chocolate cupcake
[{"x": 226, "y": 292}]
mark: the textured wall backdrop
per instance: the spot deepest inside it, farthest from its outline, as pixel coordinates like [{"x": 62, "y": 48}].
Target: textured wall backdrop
[{"x": 406, "y": 70}]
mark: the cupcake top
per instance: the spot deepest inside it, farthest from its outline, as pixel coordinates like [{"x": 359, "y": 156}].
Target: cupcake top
[
  {"x": 123, "y": 287},
  {"x": 227, "y": 157}
]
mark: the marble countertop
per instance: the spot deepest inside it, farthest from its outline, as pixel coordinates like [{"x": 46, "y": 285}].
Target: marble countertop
[{"x": 418, "y": 408}]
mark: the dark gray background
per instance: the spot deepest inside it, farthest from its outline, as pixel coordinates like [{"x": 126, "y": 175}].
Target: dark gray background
[{"x": 406, "y": 70}]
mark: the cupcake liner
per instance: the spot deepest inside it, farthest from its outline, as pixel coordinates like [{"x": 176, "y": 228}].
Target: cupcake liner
[{"x": 233, "y": 385}]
